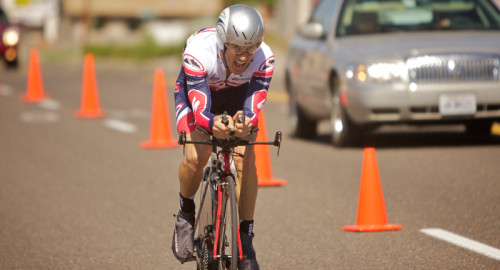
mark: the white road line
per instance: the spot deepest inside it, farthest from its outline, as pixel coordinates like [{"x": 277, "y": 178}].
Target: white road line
[
  {"x": 50, "y": 104},
  {"x": 463, "y": 242},
  {"x": 5, "y": 90},
  {"x": 39, "y": 117},
  {"x": 119, "y": 125}
]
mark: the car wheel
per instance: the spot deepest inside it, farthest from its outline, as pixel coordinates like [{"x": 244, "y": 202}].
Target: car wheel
[
  {"x": 300, "y": 125},
  {"x": 12, "y": 64},
  {"x": 478, "y": 128},
  {"x": 344, "y": 131}
]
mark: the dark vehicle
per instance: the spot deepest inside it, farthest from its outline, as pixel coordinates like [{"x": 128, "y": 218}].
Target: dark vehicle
[
  {"x": 366, "y": 63},
  {"x": 9, "y": 41}
]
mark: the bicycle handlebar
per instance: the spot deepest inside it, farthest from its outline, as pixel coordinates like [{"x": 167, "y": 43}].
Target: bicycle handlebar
[{"x": 232, "y": 141}]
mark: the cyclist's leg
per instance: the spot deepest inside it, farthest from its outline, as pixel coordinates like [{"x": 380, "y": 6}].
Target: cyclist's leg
[
  {"x": 193, "y": 164},
  {"x": 190, "y": 176},
  {"x": 248, "y": 183}
]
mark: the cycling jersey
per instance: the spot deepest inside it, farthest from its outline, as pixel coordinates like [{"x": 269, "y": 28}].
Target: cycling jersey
[{"x": 203, "y": 91}]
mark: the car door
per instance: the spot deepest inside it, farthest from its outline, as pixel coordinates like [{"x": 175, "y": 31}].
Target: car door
[{"x": 313, "y": 64}]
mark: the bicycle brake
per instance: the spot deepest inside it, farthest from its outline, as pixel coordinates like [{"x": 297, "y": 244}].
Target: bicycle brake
[
  {"x": 224, "y": 119},
  {"x": 277, "y": 141},
  {"x": 241, "y": 118},
  {"x": 182, "y": 141}
]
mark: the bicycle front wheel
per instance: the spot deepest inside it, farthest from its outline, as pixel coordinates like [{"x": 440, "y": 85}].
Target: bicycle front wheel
[
  {"x": 234, "y": 222},
  {"x": 228, "y": 234}
]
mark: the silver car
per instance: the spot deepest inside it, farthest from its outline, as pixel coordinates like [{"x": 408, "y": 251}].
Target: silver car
[{"x": 365, "y": 63}]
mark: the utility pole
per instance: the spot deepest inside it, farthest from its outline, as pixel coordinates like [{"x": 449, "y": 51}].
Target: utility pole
[{"x": 86, "y": 19}]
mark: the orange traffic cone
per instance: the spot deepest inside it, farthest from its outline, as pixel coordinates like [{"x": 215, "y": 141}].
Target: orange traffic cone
[
  {"x": 90, "y": 99},
  {"x": 371, "y": 208},
  {"x": 160, "y": 133},
  {"x": 34, "y": 88},
  {"x": 262, "y": 159}
]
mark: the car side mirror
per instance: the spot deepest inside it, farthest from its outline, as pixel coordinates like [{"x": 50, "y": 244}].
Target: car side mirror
[{"x": 312, "y": 30}]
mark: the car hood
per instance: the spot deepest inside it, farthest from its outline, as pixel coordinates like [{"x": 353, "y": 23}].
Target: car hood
[{"x": 399, "y": 46}]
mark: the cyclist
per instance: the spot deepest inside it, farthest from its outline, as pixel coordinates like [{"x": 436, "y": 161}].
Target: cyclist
[{"x": 225, "y": 68}]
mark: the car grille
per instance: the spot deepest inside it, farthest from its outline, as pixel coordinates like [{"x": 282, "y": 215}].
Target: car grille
[{"x": 453, "y": 68}]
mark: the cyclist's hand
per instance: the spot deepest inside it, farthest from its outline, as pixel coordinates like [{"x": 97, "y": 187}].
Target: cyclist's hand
[
  {"x": 242, "y": 129},
  {"x": 220, "y": 130}
]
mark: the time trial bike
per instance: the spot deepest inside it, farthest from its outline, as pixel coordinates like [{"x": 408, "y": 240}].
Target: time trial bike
[{"x": 216, "y": 229}]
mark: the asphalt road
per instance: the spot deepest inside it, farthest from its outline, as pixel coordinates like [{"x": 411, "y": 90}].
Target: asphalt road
[{"x": 83, "y": 194}]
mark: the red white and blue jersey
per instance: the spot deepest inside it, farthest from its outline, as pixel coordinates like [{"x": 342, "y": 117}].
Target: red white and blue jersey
[{"x": 203, "y": 91}]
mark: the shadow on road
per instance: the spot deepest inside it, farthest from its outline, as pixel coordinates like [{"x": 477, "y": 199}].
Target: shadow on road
[
  {"x": 412, "y": 139},
  {"x": 428, "y": 139}
]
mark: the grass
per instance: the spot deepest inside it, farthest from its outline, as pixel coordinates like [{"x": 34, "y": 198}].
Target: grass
[{"x": 148, "y": 49}]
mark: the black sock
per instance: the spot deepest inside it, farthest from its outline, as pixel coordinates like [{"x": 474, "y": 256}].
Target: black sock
[
  {"x": 246, "y": 226},
  {"x": 186, "y": 204}
]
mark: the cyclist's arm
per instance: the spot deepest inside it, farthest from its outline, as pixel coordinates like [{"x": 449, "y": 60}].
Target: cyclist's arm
[
  {"x": 257, "y": 91},
  {"x": 200, "y": 100},
  {"x": 198, "y": 92}
]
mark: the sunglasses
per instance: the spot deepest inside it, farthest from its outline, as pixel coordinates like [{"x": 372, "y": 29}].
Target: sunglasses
[{"x": 239, "y": 50}]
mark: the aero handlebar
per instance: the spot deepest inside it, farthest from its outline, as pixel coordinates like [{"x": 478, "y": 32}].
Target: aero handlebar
[{"x": 230, "y": 142}]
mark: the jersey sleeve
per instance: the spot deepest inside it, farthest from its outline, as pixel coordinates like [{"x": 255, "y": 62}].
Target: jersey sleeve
[
  {"x": 198, "y": 90},
  {"x": 257, "y": 90}
]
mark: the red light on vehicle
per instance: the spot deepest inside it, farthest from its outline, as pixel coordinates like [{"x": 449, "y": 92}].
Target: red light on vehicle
[{"x": 10, "y": 54}]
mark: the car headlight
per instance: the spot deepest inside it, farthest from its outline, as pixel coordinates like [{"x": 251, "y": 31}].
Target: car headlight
[
  {"x": 378, "y": 72},
  {"x": 10, "y": 37}
]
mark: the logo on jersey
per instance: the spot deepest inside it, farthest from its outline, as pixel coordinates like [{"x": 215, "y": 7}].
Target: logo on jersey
[
  {"x": 258, "y": 100},
  {"x": 266, "y": 69},
  {"x": 268, "y": 65},
  {"x": 263, "y": 83},
  {"x": 192, "y": 66},
  {"x": 198, "y": 101},
  {"x": 203, "y": 30},
  {"x": 179, "y": 107}
]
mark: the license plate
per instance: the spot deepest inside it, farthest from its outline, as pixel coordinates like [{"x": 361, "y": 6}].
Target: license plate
[{"x": 457, "y": 104}]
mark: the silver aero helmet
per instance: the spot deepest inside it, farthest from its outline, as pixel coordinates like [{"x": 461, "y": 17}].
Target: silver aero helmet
[{"x": 240, "y": 25}]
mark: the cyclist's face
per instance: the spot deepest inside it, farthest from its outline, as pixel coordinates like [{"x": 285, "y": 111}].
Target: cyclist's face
[{"x": 238, "y": 57}]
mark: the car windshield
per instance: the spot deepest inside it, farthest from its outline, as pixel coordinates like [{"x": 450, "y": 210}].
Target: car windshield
[{"x": 359, "y": 17}]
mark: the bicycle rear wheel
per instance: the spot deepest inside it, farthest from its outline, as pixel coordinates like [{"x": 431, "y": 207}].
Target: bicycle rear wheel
[
  {"x": 205, "y": 210},
  {"x": 203, "y": 226}
]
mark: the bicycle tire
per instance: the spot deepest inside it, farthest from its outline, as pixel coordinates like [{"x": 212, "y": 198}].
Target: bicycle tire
[
  {"x": 228, "y": 261},
  {"x": 204, "y": 213},
  {"x": 204, "y": 219},
  {"x": 222, "y": 239},
  {"x": 234, "y": 222}
]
